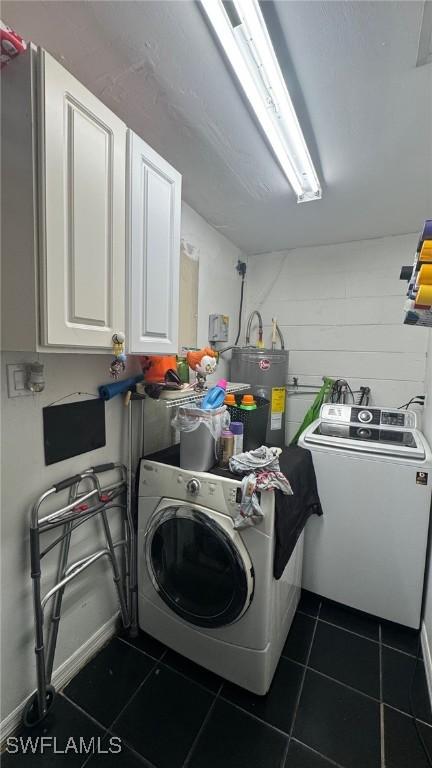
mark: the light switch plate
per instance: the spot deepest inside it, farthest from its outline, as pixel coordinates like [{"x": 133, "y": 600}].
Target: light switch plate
[
  {"x": 16, "y": 379},
  {"x": 218, "y": 327}
]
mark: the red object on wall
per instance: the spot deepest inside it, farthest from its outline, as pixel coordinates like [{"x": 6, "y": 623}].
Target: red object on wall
[{"x": 11, "y": 44}]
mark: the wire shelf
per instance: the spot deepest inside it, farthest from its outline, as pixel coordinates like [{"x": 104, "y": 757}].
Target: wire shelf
[{"x": 177, "y": 398}]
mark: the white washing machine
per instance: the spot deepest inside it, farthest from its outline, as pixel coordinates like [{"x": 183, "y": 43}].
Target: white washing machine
[
  {"x": 368, "y": 550},
  {"x": 205, "y": 589}
]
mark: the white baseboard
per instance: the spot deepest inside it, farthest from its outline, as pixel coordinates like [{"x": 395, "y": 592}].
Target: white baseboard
[
  {"x": 427, "y": 659},
  {"x": 65, "y": 672}
]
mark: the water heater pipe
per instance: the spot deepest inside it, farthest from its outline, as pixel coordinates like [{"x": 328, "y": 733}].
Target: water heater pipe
[
  {"x": 281, "y": 338},
  {"x": 260, "y": 329},
  {"x": 249, "y": 325}
]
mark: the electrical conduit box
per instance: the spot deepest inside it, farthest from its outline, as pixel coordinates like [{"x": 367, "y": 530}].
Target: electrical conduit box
[{"x": 218, "y": 328}]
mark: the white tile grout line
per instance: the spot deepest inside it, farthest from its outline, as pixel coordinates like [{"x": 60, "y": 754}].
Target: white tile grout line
[
  {"x": 333, "y": 680},
  {"x": 105, "y": 728},
  {"x": 299, "y": 664},
  {"x": 256, "y": 717},
  {"x": 191, "y": 679},
  {"x": 183, "y": 674},
  {"x": 141, "y": 650},
  {"x": 285, "y": 753},
  {"x": 380, "y": 665},
  {"x": 106, "y": 732},
  {"x": 407, "y": 714},
  {"x": 110, "y": 730},
  {"x": 201, "y": 729},
  {"x": 304, "y": 673},
  {"x": 247, "y": 712},
  {"x": 278, "y": 730},
  {"x": 363, "y": 637},
  {"x": 315, "y": 752},
  {"x": 305, "y": 665},
  {"x": 344, "y": 685},
  {"x": 135, "y": 693},
  {"x": 323, "y": 621},
  {"x": 382, "y": 733},
  {"x": 84, "y": 712},
  {"x": 338, "y": 682},
  {"x": 177, "y": 671}
]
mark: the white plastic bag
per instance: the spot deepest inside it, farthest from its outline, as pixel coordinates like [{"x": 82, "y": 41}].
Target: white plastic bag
[{"x": 190, "y": 417}]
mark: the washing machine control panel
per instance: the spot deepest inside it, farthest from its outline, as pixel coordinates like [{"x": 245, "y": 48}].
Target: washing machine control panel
[{"x": 354, "y": 414}]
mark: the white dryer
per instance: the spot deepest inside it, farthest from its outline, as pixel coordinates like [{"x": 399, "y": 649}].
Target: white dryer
[
  {"x": 368, "y": 550},
  {"x": 205, "y": 589}
]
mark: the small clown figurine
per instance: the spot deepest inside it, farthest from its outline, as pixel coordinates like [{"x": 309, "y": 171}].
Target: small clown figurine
[{"x": 203, "y": 362}]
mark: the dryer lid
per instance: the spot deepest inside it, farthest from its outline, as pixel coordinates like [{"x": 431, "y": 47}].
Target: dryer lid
[{"x": 200, "y": 568}]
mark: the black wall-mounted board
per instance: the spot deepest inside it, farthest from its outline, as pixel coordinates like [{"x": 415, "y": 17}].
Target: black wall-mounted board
[{"x": 72, "y": 429}]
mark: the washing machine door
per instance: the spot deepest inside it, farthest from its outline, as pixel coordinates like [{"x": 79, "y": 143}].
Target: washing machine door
[{"x": 199, "y": 567}]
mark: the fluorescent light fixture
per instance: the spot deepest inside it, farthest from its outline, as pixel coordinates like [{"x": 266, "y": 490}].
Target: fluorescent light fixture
[{"x": 249, "y": 49}]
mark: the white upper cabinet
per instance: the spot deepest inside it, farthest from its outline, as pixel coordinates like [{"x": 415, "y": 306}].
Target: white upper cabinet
[
  {"x": 83, "y": 172},
  {"x": 154, "y": 203},
  {"x": 69, "y": 239}
]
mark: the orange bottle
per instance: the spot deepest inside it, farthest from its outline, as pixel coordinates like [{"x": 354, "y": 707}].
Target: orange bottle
[
  {"x": 248, "y": 403},
  {"x": 155, "y": 366}
]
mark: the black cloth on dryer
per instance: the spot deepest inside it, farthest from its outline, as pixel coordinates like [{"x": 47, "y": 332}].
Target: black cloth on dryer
[{"x": 292, "y": 512}]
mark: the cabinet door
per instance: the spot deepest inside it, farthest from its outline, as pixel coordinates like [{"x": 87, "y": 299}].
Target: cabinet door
[
  {"x": 154, "y": 250},
  {"x": 83, "y": 176}
]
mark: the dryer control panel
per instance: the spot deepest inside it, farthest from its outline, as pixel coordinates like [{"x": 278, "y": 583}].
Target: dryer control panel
[{"x": 354, "y": 414}]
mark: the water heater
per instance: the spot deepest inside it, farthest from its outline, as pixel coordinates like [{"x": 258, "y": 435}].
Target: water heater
[{"x": 266, "y": 370}]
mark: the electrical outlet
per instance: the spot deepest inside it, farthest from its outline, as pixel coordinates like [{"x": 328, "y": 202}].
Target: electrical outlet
[
  {"x": 241, "y": 268},
  {"x": 218, "y": 328},
  {"x": 16, "y": 380}
]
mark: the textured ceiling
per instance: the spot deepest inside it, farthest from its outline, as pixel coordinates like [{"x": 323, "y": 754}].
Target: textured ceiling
[{"x": 365, "y": 108}]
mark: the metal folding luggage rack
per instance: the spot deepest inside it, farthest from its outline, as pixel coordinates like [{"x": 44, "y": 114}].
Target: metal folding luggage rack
[{"x": 83, "y": 504}]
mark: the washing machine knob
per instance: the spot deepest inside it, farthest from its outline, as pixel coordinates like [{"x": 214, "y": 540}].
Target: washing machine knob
[
  {"x": 193, "y": 486},
  {"x": 365, "y": 417},
  {"x": 364, "y": 432}
]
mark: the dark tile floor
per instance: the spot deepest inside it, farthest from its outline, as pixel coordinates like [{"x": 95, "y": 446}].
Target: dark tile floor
[{"x": 340, "y": 697}]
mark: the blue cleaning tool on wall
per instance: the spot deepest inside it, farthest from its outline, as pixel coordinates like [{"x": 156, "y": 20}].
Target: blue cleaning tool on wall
[{"x": 108, "y": 391}]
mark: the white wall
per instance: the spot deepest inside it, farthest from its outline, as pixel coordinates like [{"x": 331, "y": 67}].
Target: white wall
[
  {"x": 340, "y": 308},
  {"x": 427, "y": 428},
  {"x": 219, "y": 283},
  {"x": 218, "y": 291},
  {"x": 427, "y": 416},
  {"x": 90, "y": 601}
]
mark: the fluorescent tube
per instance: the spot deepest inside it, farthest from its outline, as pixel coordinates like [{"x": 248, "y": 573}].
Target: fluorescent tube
[{"x": 252, "y": 56}]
